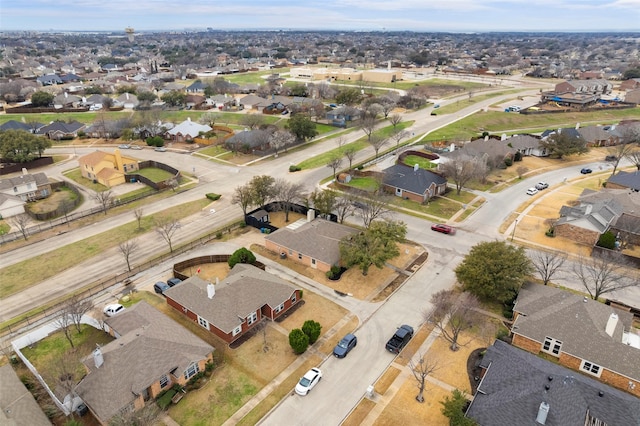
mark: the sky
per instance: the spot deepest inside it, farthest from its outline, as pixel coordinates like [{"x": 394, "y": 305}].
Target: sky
[{"x": 346, "y": 15}]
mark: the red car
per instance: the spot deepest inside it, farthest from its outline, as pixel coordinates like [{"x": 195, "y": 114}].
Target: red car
[{"x": 445, "y": 229}]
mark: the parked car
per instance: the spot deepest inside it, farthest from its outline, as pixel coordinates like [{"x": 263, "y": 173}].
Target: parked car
[
  {"x": 138, "y": 147},
  {"x": 532, "y": 191},
  {"x": 436, "y": 106},
  {"x": 160, "y": 287},
  {"x": 541, "y": 185},
  {"x": 124, "y": 146},
  {"x": 445, "y": 229},
  {"x": 160, "y": 149},
  {"x": 113, "y": 309},
  {"x": 585, "y": 171},
  {"x": 308, "y": 381},
  {"x": 345, "y": 345},
  {"x": 173, "y": 281},
  {"x": 400, "y": 339}
]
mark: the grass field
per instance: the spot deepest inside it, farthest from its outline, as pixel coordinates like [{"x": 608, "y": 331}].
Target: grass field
[{"x": 155, "y": 174}]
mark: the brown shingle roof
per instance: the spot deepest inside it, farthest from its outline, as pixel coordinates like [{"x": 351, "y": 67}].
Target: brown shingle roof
[
  {"x": 95, "y": 158},
  {"x": 17, "y": 405}
]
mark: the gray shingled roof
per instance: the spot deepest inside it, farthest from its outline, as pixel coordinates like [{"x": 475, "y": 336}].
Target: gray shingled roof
[
  {"x": 514, "y": 386},
  {"x": 150, "y": 345},
  {"x": 17, "y": 405},
  {"x": 579, "y": 323},
  {"x": 406, "y": 178},
  {"x": 318, "y": 239},
  {"x": 629, "y": 180},
  {"x": 245, "y": 290},
  {"x": 38, "y": 178}
]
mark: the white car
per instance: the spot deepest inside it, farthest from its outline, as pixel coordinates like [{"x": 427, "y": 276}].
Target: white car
[
  {"x": 113, "y": 309},
  {"x": 532, "y": 191},
  {"x": 542, "y": 185},
  {"x": 308, "y": 381}
]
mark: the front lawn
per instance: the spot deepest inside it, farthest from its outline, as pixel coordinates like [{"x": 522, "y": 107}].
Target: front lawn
[
  {"x": 154, "y": 174},
  {"x": 423, "y": 163},
  {"x": 76, "y": 176}
]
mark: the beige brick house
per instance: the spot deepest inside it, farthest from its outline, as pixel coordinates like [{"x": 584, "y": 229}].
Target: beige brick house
[{"x": 106, "y": 168}]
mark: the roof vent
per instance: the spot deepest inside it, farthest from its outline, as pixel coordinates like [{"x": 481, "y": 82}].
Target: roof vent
[
  {"x": 611, "y": 324},
  {"x": 547, "y": 387},
  {"x": 98, "y": 359},
  {"x": 584, "y": 299},
  {"x": 543, "y": 411},
  {"x": 550, "y": 378},
  {"x": 600, "y": 394},
  {"x": 416, "y": 167}
]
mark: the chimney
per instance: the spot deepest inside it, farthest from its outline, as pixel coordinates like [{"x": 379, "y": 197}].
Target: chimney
[
  {"x": 543, "y": 411},
  {"x": 611, "y": 324},
  {"x": 98, "y": 358},
  {"x": 66, "y": 95},
  {"x": 211, "y": 290},
  {"x": 311, "y": 214},
  {"x": 416, "y": 167},
  {"x": 577, "y": 126}
]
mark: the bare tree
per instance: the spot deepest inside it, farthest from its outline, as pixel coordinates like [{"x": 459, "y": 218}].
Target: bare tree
[
  {"x": 209, "y": 118},
  {"x": 287, "y": 193},
  {"x": 243, "y": 195},
  {"x": 76, "y": 308},
  {"x": 634, "y": 158},
  {"x": 395, "y": 119},
  {"x": 350, "y": 152},
  {"x": 377, "y": 141},
  {"x": 252, "y": 121},
  {"x": 368, "y": 125},
  {"x": 66, "y": 206},
  {"x": 167, "y": 228},
  {"x": 21, "y": 221},
  {"x": 64, "y": 321},
  {"x": 280, "y": 139},
  {"x": 127, "y": 248},
  {"x": 625, "y": 146},
  {"x": 344, "y": 208},
  {"x": 397, "y": 135},
  {"x": 104, "y": 198},
  {"x": 372, "y": 207},
  {"x": 547, "y": 263},
  {"x": 421, "y": 369},
  {"x": 64, "y": 373},
  {"x": 138, "y": 212},
  {"x": 461, "y": 170},
  {"x": 452, "y": 314},
  {"x": 146, "y": 416},
  {"x": 334, "y": 163},
  {"x": 386, "y": 105},
  {"x": 602, "y": 274}
]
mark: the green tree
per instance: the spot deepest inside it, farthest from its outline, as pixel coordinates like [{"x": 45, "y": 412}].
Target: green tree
[
  {"x": 454, "y": 407},
  {"x": 147, "y": 96},
  {"x": 41, "y": 99},
  {"x": 298, "y": 90},
  {"x": 323, "y": 201},
  {"x": 93, "y": 90},
  {"x": 561, "y": 144},
  {"x": 155, "y": 141},
  {"x": 174, "y": 98},
  {"x": 494, "y": 270},
  {"x": 373, "y": 246},
  {"x": 302, "y": 126},
  {"x": 21, "y": 146},
  {"x": 262, "y": 189},
  {"x": 298, "y": 340},
  {"x": 242, "y": 255},
  {"x": 351, "y": 96},
  {"x": 631, "y": 73},
  {"x": 312, "y": 329}
]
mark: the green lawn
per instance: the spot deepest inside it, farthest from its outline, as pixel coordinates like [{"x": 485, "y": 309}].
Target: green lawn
[
  {"x": 476, "y": 98},
  {"x": 368, "y": 184},
  {"x": 76, "y": 176},
  {"x": 82, "y": 117},
  {"x": 422, "y": 162},
  {"x": 155, "y": 174},
  {"x": 406, "y": 85}
]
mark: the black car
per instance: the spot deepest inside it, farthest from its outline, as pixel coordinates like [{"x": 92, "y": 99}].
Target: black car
[
  {"x": 585, "y": 171},
  {"x": 160, "y": 287},
  {"x": 347, "y": 343},
  {"x": 400, "y": 339},
  {"x": 173, "y": 281}
]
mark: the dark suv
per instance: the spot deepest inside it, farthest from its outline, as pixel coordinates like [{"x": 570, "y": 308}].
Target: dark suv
[
  {"x": 173, "y": 281},
  {"x": 400, "y": 339},
  {"x": 160, "y": 287}
]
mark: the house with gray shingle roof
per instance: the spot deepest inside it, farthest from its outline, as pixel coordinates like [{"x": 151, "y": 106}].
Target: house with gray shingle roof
[
  {"x": 625, "y": 180},
  {"x": 313, "y": 243},
  {"x": 519, "y": 388},
  {"x": 413, "y": 183},
  {"x": 17, "y": 404},
  {"x": 150, "y": 354},
  {"x": 187, "y": 130},
  {"x": 236, "y": 304},
  {"x": 28, "y": 187},
  {"x": 582, "y": 334},
  {"x": 59, "y": 129}
]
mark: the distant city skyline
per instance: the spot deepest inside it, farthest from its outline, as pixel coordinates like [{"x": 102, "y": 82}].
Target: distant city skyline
[{"x": 346, "y": 15}]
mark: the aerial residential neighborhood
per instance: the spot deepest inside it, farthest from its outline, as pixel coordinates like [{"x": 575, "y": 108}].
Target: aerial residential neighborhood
[{"x": 336, "y": 227}]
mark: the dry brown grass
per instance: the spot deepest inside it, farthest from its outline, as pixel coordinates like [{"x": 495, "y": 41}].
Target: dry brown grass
[
  {"x": 405, "y": 409},
  {"x": 316, "y": 308},
  {"x": 361, "y": 411},
  {"x": 418, "y": 339},
  {"x": 386, "y": 380}
]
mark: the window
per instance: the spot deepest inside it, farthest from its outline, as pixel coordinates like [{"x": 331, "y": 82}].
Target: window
[
  {"x": 591, "y": 368},
  {"x": 252, "y": 318},
  {"x": 299, "y": 256},
  {"x": 279, "y": 308},
  {"x": 237, "y": 330},
  {"x": 203, "y": 322},
  {"x": 164, "y": 381},
  {"x": 293, "y": 298},
  {"x": 552, "y": 346},
  {"x": 313, "y": 262},
  {"x": 191, "y": 371}
]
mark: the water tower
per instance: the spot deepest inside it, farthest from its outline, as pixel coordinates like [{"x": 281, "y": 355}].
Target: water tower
[{"x": 130, "y": 33}]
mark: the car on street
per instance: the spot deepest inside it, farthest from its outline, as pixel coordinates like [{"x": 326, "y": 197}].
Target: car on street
[
  {"x": 400, "y": 339},
  {"x": 345, "y": 345},
  {"x": 445, "y": 229},
  {"x": 436, "y": 106},
  {"x": 160, "y": 287},
  {"x": 173, "y": 281},
  {"x": 113, "y": 309},
  {"x": 160, "y": 149},
  {"x": 136, "y": 147},
  {"x": 541, "y": 185},
  {"x": 308, "y": 381},
  {"x": 585, "y": 171},
  {"x": 124, "y": 146},
  {"x": 532, "y": 191}
]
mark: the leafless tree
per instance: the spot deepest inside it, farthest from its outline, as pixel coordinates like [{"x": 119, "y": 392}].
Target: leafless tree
[
  {"x": 461, "y": 170},
  {"x": 138, "y": 212},
  {"x": 340, "y": 141},
  {"x": 63, "y": 374},
  {"x": 325, "y": 91},
  {"x": 67, "y": 207},
  {"x": 76, "y": 308},
  {"x": 397, "y": 135},
  {"x": 421, "y": 369},
  {"x": 372, "y": 207},
  {"x": 104, "y": 198},
  {"x": 209, "y": 118},
  {"x": 634, "y": 158},
  {"x": 602, "y": 274},
  {"x": 350, "y": 152},
  {"x": 146, "y": 416},
  {"x": 386, "y": 105},
  {"x": 21, "y": 221},
  {"x": 377, "y": 141},
  {"x": 167, "y": 228},
  {"x": 368, "y": 125},
  {"x": 243, "y": 195},
  {"x": 334, "y": 163},
  {"x": 626, "y": 145},
  {"x": 287, "y": 193},
  {"x": 173, "y": 184},
  {"x": 127, "y": 248},
  {"x": 453, "y": 313},
  {"x": 395, "y": 119},
  {"x": 547, "y": 263},
  {"x": 521, "y": 170},
  {"x": 280, "y": 139},
  {"x": 64, "y": 321},
  {"x": 252, "y": 121},
  {"x": 344, "y": 208}
]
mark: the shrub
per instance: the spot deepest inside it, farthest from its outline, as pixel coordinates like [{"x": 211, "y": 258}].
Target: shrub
[
  {"x": 213, "y": 197},
  {"x": 517, "y": 156},
  {"x": 454, "y": 407},
  {"x": 298, "y": 340},
  {"x": 155, "y": 141},
  {"x": 242, "y": 255},
  {"x": 607, "y": 240},
  {"x": 164, "y": 399},
  {"x": 333, "y": 272},
  {"x": 293, "y": 168},
  {"x": 508, "y": 161},
  {"x": 551, "y": 232},
  {"x": 312, "y": 329}
]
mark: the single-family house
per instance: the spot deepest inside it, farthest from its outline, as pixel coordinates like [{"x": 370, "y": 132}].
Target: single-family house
[
  {"x": 518, "y": 388},
  {"x": 313, "y": 243},
  {"x": 587, "y": 221},
  {"x": 150, "y": 354},
  {"x": 65, "y": 100},
  {"x": 235, "y": 304},
  {"x": 30, "y": 127},
  {"x": 249, "y": 141},
  {"x": 127, "y": 101},
  {"x": 252, "y": 102},
  {"x": 186, "y": 131},
  {"x": 192, "y": 101},
  {"x": 596, "y": 136},
  {"x": 196, "y": 87},
  {"x": 527, "y": 145},
  {"x": 18, "y": 407},
  {"x": 595, "y": 86},
  {"x": 631, "y": 84},
  {"x": 632, "y": 96},
  {"x": 341, "y": 115},
  {"x": 57, "y": 130},
  {"x": 413, "y": 183},
  {"x": 27, "y": 187},
  {"x": 49, "y": 79},
  {"x": 10, "y": 205},
  {"x": 625, "y": 180},
  {"x": 109, "y": 169},
  {"x": 582, "y": 334}
]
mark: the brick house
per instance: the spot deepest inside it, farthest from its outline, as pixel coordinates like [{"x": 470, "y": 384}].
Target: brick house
[
  {"x": 27, "y": 187},
  {"x": 592, "y": 86},
  {"x": 106, "y": 168},
  {"x": 150, "y": 354},
  {"x": 625, "y": 180},
  {"x": 582, "y": 334},
  {"x": 413, "y": 183},
  {"x": 313, "y": 243},
  {"x": 236, "y": 304}
]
